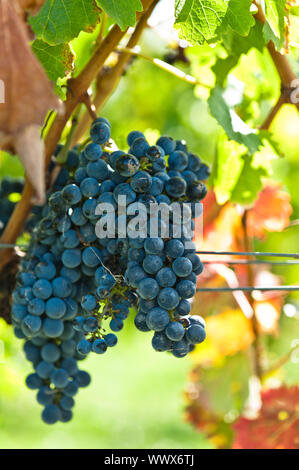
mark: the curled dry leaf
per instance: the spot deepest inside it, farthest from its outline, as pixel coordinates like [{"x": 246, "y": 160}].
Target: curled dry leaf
[
  {"x": 29, "y": 6},
  {"x": 28, "y": 95},
  {"x": 29, "y": 145}
]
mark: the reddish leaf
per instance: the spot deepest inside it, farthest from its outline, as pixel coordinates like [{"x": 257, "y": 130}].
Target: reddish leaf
[
  {"x": 276, "y": 426},
  {"x": 271, "y": 212}
]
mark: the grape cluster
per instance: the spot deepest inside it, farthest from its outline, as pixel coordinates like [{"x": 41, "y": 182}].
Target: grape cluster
[{"x": 74, "y": 283}]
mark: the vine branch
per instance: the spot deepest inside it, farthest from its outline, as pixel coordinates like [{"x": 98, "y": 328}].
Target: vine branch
[
  {"x": 285, "y": 72},
  {"x": 77, "y": 87},
  {"x": 250, "y": 275}
]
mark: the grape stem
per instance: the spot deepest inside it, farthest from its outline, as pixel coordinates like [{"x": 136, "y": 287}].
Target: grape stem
[
  {"x": 109, "y": 78},
  {"x": 77, "y": 88},
  {"x": 165, "y": 66}
]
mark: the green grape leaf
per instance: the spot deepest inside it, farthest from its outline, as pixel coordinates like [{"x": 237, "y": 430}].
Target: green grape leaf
[
  {"x": 278, "y": 348},
  {"x": 274, "y": 28},
  {"x": 201, "y": 21},
  {"x": 222, "y": 67},
  {"x": 239, "y": 17},
  {"x": 56, "y": 60},
  {"x": 250, "y": 182},
  {"x": 122, "y": 11},
  {"x": 235, "y": 128},
  {"x": 228, "y": 165},
  {"x": 224, "y": 389},
  {"x": 59, "y": 21},
  {"x": 198, "y": 20},
  {"x": 236, "y": 46}
]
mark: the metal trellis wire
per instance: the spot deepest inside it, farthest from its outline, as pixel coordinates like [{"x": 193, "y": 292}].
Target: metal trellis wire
[
  {"x": 232, "y": 262},
  {"x": 252, "y": 261}
]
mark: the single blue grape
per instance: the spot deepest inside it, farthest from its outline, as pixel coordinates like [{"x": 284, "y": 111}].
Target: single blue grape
[
  {"x": 42, "y": 289},
  {"x": 90, "y": 187},
  {"x": 98, "y": 170},
  {"x": 70, "y": 239},
  {"x": 180, "y": 348},
  {"x": 99, "y": 346},
  {"x": 52, "y": 328},
  {"x": 174, "y": 248},
  {"x": 186, "y": 289},
  {"x": 139, "y": 147},
  {"x": 67, "y": 403},
  {"x": 157, "y": 319},
  {"x": 148, "y": 288},
  {"x": 51, "y": 414},
  {"x": 183, "y": 309},
  {"x": 166, "y": 277},
  {"x": 71, "y": 194},
  {"x": 134, "y": 135},
  {"x": 152, "y": 263},
  {"x": 84, "y": 347},
  {"x": 178, "y": 161},
  {"x": 160, "y": 342},
  {"x": 55, "y": 308},
  {"x": 111, "y": 340},
  {"x": 50, "y": 352},
  {"x": 153, "y": 246},
  {"x": 35, "y": 307},
  {"x": 116, "y": 324},
  {"x": 193, "y": 162},
  {"x": 195, "y": 333},
  {"x": 100, "y": 132},
  {"x": 127, "y": 165},
  {"x": 44, "y": 270},
  {"x": 33, "y": 381},
  {"x": 71, "y": 258},
  {"x": 123, "y": 189},
  {"x": 60, "y": 378},
  {"x": 93, "y": 152},
  {"x": 91, "y": 324},
  {"x": 175, "y": 331},
  {"x": 44, "y": 369},
  {"x": 32, "y": 324},
  {"x": 45, "y": 396},
  {"x": 176, "y": 187},
  {"x": 168, "y": 298},
  {"x": 182, "y": 266},
  {"x": 83, "y": 378},
  {"x": 167, "y": 144}
]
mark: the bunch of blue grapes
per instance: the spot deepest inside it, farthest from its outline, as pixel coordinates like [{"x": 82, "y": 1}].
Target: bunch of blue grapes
[
  {"x": 44, "y": 305},
  {"x": 76, "y": 287}
]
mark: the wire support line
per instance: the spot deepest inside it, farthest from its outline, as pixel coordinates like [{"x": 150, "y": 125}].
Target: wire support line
[
  {"x": 251, "y": 261},
  {"x": 250, "y": 253},
  {"x": 247, "y": 288}
]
